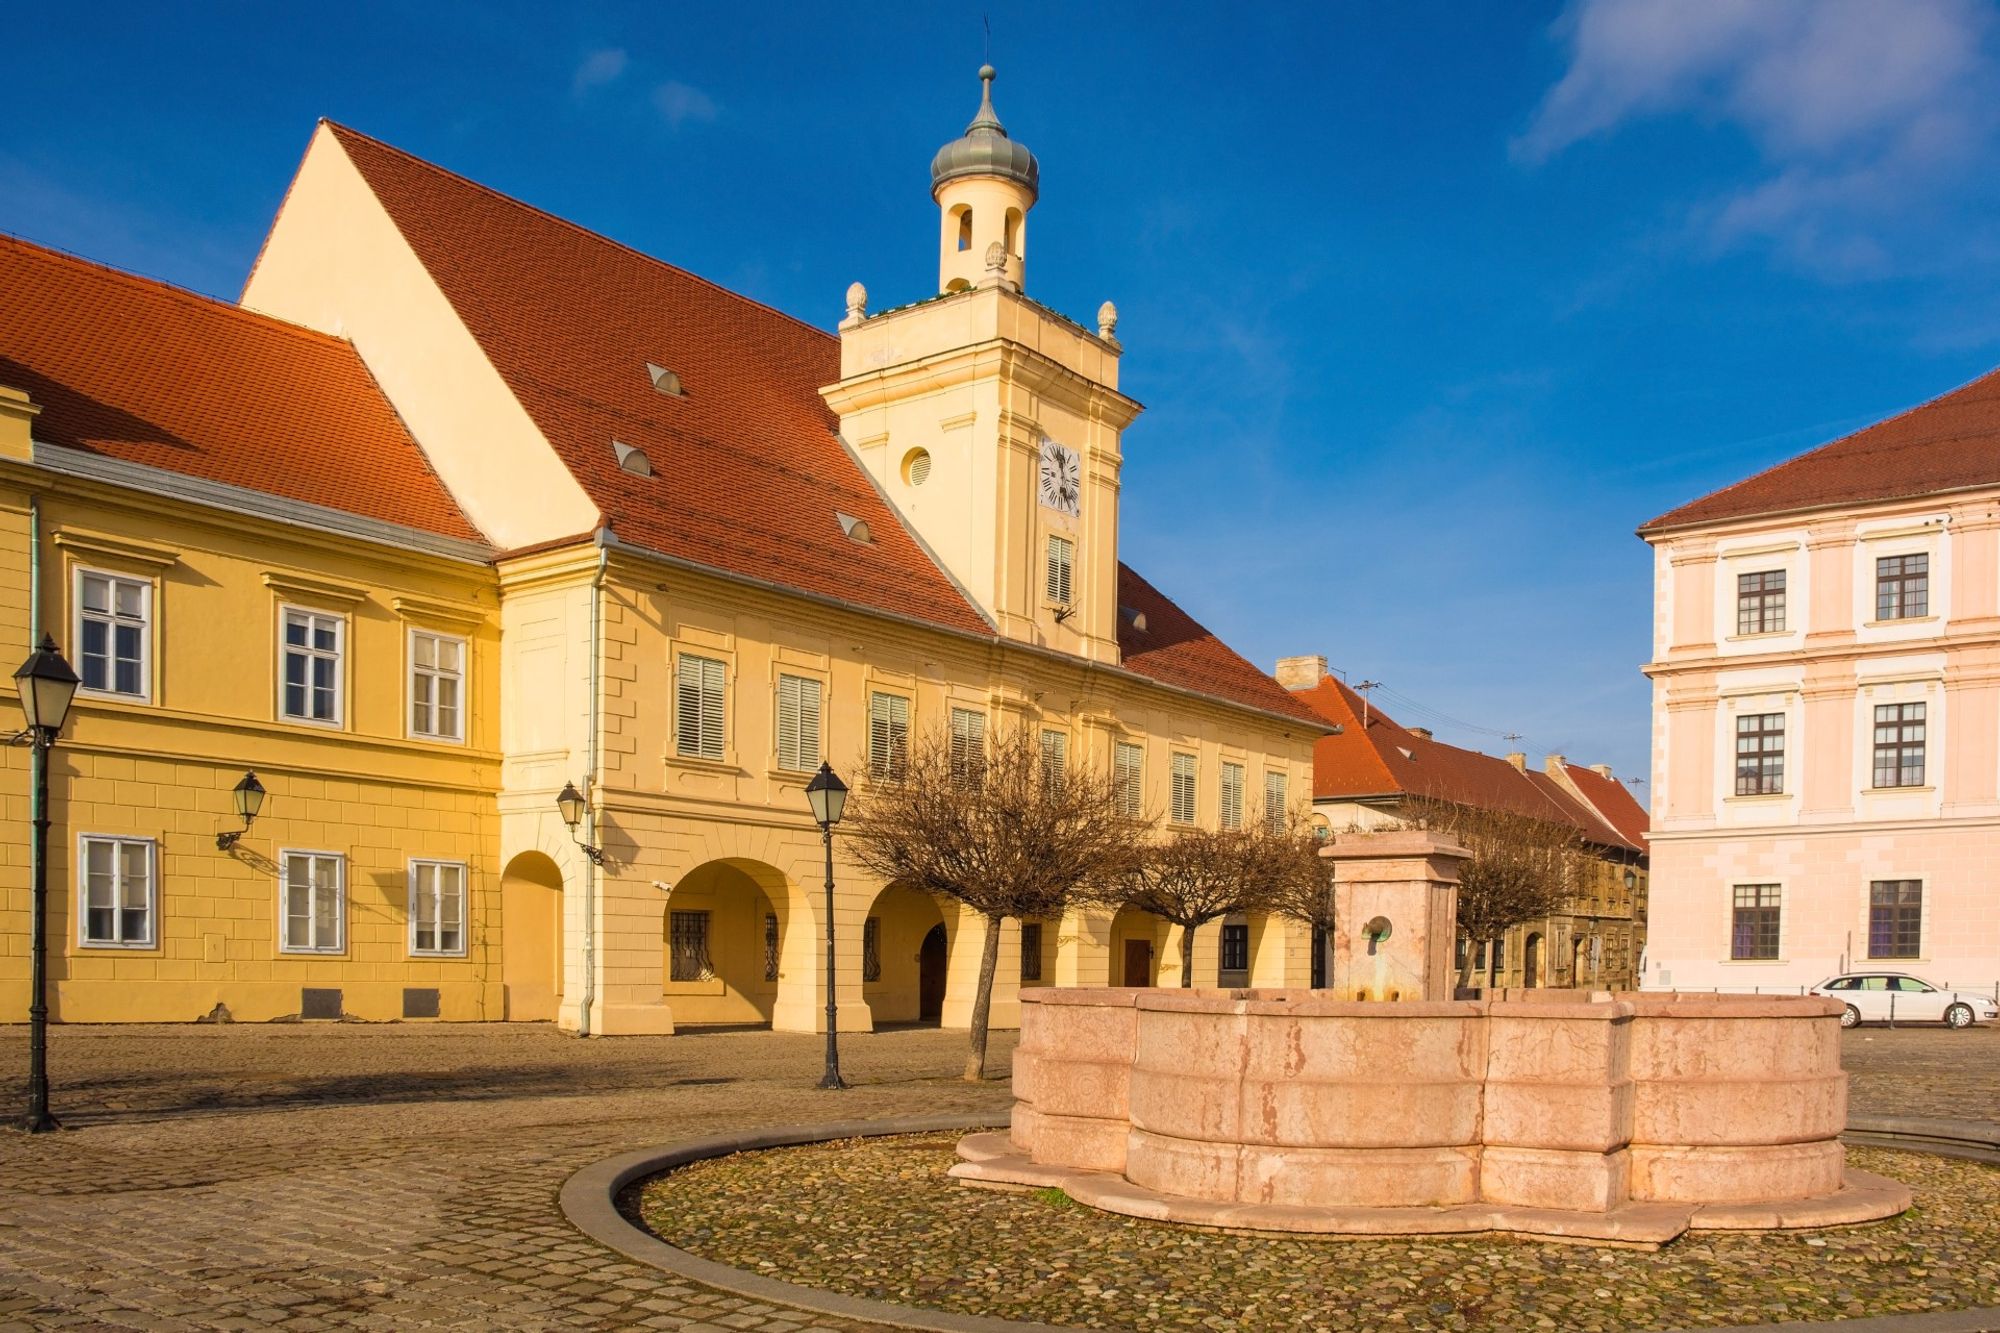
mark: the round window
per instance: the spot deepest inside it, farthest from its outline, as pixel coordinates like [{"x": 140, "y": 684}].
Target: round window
[{"x": 917, "y": 467}]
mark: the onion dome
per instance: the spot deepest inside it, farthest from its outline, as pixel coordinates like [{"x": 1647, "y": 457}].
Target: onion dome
[{"x": 985, "y": 150}]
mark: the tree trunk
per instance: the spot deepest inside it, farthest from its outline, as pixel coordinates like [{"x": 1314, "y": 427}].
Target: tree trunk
[
  {"x": 982, "y": 1001},
  {"x": 1187, "y": 956}
]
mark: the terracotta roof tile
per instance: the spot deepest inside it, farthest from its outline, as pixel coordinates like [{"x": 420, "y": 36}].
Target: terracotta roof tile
[
  {"x": 1949, "y": 443},
  {"x": 1614, "y": 803},
  {"x": 1175, "y": 649},
  {"x": 138, "y": 370}
]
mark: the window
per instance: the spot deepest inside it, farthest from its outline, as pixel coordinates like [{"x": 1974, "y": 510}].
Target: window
[
  {"x": 315, "y": 904},
  {"x": 798, "y": 724},
  {"x": 1182, "y": 798},
  {"x": 1760, "y": 754},
  {"x": 1062, "y": 553},
  {"x": 968, "y": 745},
  {"x": 1902, "y": 587},
  {"x": 437, "y": 907},
  {"x": 1031, "y": 951},
  {"x": 888, "y": 736},
  {"x": 1899, "y": 745},
  {"x": 1055, "y": 757},
  {"x": 965, "y": 229},
  {"x": 1500, "y": 954},
  {"x": 312, "y": 666},
  {"x": 770, "y": 946},
  {"x": 687, "y": 947},
  {"x": 698, "y": 711},
  {"x": 111, "y": 630},
  {"x": 1128, "y": 776},
  {"x": 1760, "y": 602},
  {"x": 871, "y": 949},
  {"x": 437, "y": 686},
  {"x": 1896, "y": 918},
  {"x": 1235, "y": 946},
  {"x": 1753, "y": 929},
  {"x": 1275, "y": 803},
  {"x": 116, "y": 884},
  {"x": 1232, "y": 796}
]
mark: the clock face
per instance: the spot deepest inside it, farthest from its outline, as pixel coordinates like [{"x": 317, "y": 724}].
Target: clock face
[{"x": 1062, "y": 478}]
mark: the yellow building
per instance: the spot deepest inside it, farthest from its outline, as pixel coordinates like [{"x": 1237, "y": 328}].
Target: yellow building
[{"x": 693, "y": 548}]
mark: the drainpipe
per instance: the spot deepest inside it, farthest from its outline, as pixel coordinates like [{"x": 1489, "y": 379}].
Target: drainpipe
[{"x": 590, "y": 790}]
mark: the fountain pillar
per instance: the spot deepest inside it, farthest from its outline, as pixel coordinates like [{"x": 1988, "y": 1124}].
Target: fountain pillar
[{"x": 1395, "y": 914}]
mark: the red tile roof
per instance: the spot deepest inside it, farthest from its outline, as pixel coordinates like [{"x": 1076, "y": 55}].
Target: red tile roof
[
  {"x": 1613, "y": 801},
  {"x": 134, "y": 369},
  {"x": 1384, "y": 760},
  {"x": 749, "y": 471},
  {"x": 1947, "y": 444},
  {"x": 1174, "y": 649}
]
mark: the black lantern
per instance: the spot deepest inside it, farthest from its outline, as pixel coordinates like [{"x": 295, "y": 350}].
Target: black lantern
[
  {"x": 827, "y": 795},
  {"x": 571, "y": 803},
  {"x": 249, "y": 797},
  {"x": 47, "y": 686}
]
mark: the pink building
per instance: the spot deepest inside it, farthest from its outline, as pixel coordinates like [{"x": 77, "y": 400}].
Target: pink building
[{"x": 1826, "y": 712}]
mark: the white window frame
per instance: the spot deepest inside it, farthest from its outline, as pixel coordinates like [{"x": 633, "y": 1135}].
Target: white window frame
[
  {"x": 340, "y": 890},
  {"x": 697, "y": 746},
  {"x": 462, "y": 676},
  {"x": 144, "y": 694},
  {"x": 1182, "y": 759},
  {"x": 804, "y": 758},
  {"x": 118, "y": 843},
  {"x": 1229, "y": 801},
  {"x": 417, "y": 866},
  {"x": 339, "y": 620}
]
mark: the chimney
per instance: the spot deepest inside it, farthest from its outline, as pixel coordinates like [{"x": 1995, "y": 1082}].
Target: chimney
[
  {"x": 1518, "y": 760},
  {"x": 1424, "y": 732},
  {"x": 17, "y": 422},
  {"x": 1301, "y": 673},
  {"x": 1602, "y": 771},
  {"x": 1554, "y": 765}
]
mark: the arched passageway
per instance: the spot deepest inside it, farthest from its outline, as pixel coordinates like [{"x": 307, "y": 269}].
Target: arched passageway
[
  {"x": 531, "y": 890},
  {"x": 722, "y": 942},
  {"x": 905, "y": 947}
]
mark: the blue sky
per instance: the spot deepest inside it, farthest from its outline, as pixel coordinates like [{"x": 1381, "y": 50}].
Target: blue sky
[{"x": 1430, "y": 304}]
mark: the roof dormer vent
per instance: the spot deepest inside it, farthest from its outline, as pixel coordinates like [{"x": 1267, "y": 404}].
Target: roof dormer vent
[
  {"x": 665, "y": 381},
  {"x": 855, "y": 528},
  {"x": 632, "y": 459}
]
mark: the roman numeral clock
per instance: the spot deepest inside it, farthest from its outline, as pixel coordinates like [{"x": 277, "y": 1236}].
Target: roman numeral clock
[{"x": 1062, "y": 478}]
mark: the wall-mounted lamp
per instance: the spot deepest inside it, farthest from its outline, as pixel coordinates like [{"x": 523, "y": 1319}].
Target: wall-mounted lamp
[
  {"x": 570, "y": 802},
  {"x": 1631, "y": 880},
  {"x": 249, "y": 795}
]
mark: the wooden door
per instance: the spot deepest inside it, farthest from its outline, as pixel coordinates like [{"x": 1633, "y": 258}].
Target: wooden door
[
  {"x": 930, "y": 976},
  {"x": 1138, "y": 963},
  {"x": 1531, "y": 962}
]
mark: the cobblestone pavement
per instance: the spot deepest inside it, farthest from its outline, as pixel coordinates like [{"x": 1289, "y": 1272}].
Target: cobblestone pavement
[
  {"x": 392, "y": 1177},
  {"x": 404, "y": 1176}
]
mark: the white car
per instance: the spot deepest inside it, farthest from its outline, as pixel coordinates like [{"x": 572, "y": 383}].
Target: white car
[{"x": 1880, "y": 997}]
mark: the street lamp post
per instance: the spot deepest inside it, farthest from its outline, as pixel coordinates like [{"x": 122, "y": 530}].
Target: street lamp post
[
  {"x": 827, "y": 795},
  {"x": 47, "y": 686}
]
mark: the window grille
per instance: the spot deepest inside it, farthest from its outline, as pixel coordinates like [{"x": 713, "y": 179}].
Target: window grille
[
  {"x": 1182, "y": 797},
  {"x": 1753, "y": 932},
  {"x": 1760, "y": 754},
  {"x": 698, "y": 707},
  {"x": 117, "y": 891},
  {"x": 1902, "y": 587},
  {"x": 798, "y": 724},
  {"x": 770, "y": 946},
  {"x": 968, "y": 745},
  {"x": 687, "y": 947},
  {"x": 1062, "y": 553},
  {"x": 112, "y": 633},
  {"x": 1031, "y": 951},
  {"x": 871, "y": 949},
  {"x": 1896, "y": 918},
  {"x": 888, "y": 736},
  {"x": 1760, "y": 602},
  {"x": 1128, "y": 775},
  {"x": 1899, "y": 745},
  {"x": 1232, "y": 796}
]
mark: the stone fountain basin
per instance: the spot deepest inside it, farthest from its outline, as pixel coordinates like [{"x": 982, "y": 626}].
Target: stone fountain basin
[{"x": 1624, "y": 1117}]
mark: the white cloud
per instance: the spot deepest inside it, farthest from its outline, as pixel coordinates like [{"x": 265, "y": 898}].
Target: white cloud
[
  {"x": 1858, "y": 108},
  {"x": 598, "y": 68},
  {"x": 682, "y": 104}
]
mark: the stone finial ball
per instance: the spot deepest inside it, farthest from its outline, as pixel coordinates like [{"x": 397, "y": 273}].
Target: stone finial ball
[
  {"x": 987, "y": 71},
  {"x": 1107, "y": 319},
  {"x": 857, "y": 297}
]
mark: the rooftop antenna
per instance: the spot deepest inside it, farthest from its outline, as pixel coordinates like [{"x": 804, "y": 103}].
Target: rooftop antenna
[
  {"x": 1362, "y": 690},
  {"x": 1512, "y": 736},
  {"x": 986, "y": 47},
  {"x": 1635, "y": 782}
]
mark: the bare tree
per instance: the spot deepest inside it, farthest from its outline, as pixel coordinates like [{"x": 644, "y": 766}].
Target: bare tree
[
  {"x": 1294, "y": 880},
  {"x": 1190, "y": 878},
  {"x": 994, "y": 830},
  {"x": 1521, "y": 867}
]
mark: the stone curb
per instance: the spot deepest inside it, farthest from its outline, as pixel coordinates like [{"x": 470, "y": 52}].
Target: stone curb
[{"x": 589, "y": 1199}]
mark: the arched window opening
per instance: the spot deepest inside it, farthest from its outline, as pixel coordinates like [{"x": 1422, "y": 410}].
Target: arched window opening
[
  {"x": 965, "y": 229},
  {"x": 1014, "y": 232}
]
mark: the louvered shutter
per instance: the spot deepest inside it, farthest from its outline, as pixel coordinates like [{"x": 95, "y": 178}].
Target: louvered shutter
[
  {"x": 698, "y": 707},
  {"x": 1183, "y": 789},
  {"x": 1130, "y": 774},
  {"x": 1061, "y": 564},
  {"x": 1055, "y": 756},
  {"x": 1274, "y": 802},
  {"x": 968, "y": 744},
  {"x": 798, "y": 723},
  {"x": 1232, "y": 796},
  {"x": 888, "y": 735}
]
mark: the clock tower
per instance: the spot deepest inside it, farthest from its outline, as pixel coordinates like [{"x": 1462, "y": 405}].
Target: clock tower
[{"x": 992, "y": 422}]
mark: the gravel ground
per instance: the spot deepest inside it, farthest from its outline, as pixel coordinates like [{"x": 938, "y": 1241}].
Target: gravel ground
[{"x": 879, "y": 1218}]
